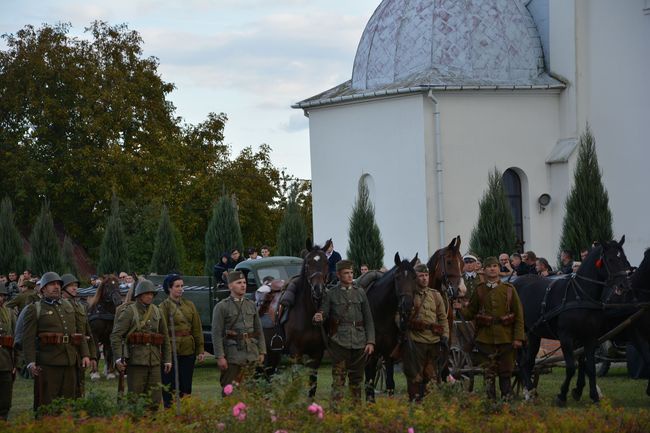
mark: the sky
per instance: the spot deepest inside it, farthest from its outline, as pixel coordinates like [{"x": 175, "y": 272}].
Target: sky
[{"x": 250, "y": 59}]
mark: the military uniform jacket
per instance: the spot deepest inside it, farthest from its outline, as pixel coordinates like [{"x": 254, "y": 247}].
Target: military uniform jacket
[
  {"x": 431, "y": 310},
  {"x": 134, "y": 318},
  {"x": 56, "y": 316},
  {"x": 23, "y": 299},
  {"x": 238, "y": 318},
  {"x": 471, "y": 282},
  {"x": 187, "y": 326},
  {"x": 7, "y": 327},
  {"x": 82, "y": 316},
  {"x": 495, "y": 305},
  {"x": 350, "y": 318}
]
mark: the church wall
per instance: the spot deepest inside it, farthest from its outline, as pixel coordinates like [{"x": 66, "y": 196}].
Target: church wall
[
  {"x": 615, "y": 79},
  {"x": 385, "y": 139},
  {"x": 481, "y": 130}
]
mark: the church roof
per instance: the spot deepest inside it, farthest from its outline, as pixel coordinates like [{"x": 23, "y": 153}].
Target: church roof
[{"x": 410, "y": 46}]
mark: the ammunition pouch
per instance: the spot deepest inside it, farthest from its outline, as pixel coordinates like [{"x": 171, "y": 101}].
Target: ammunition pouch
[
  {"x": 487, "y": 320},
  {"x": 508, "y": 319},
  {"x": 7, "y": 341},
  {"x": 419, "y": 325},
  {"x": 234, "y": 335},
  {"x": 146, "y": 338},
  {"x": 51, "y": 338}
]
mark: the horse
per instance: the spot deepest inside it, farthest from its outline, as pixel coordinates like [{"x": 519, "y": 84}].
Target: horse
[
  {"x": 302, "y": 336},
  {"x": 571, "y": 310},
  {"x": 101, "y": 314},
  {"x": 390, "y": 294}
]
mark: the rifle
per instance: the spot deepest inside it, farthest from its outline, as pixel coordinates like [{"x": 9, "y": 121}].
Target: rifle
[
  {"x": 175, "y": 360},
  {"x": 120, "y": 383}
]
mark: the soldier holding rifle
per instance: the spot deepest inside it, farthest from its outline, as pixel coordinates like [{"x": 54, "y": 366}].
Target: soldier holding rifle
[{"x": 140, "y": 343}]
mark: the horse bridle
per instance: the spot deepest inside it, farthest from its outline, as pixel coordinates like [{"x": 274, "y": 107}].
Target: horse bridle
[{"x": 451, "y": 292}]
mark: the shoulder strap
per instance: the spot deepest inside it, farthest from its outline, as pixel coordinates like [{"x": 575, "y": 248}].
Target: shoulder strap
[
  {"x": 509, "y": 297},
  {"x": 37, "y": 306}
]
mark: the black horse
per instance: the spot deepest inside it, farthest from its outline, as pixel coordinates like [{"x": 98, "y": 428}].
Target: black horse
[
  {"x": 390, "y": 294},
  {"x": 303, "y": 337},
  {"x": 571, "y": 310},
  {"x": 101, "y": 315}
]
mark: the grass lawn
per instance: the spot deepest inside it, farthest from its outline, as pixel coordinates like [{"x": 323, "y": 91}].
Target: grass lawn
[{"x": 620, "y": 390}]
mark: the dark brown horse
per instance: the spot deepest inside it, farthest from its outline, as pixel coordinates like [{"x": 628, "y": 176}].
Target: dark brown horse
[
  {"x": 101, "y": 315},
  {"x": 390, "y": 294},
  {"x": 303, "y": 337}
]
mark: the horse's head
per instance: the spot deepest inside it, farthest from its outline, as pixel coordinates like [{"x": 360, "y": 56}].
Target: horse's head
[
  {"x": 314, "y": 271},
  {"x": 109, "y": 290},
  {"x": 609, "y": 265},
  {"x": 446, "y": 268},
  {"x": 405, "y": 284}
]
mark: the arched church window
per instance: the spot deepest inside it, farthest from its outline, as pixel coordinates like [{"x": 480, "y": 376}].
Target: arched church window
[{"x": 512, "y": 185}]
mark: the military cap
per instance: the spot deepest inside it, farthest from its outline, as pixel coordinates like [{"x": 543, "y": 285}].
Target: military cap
[
  {"x": 469, "y": 257},
  {"x": 145, "y": 286},
  {"x": 421, "y": 268},
  {"x": 68, "y": 279},
  {"x": 235, "y": 276},
  {"x": 29, "y": 284},
  {"x": 490, "y": 261},
  {"x": 344, "y": 264}
]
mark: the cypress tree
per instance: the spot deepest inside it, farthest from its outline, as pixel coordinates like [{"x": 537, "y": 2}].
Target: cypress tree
[
  {"x": 113, "y": 257},
  {"x": 365, "y": 244},
  {"x": 292, "y": 232},
  {"x": 46, "y": 253},
  {"x": 165, "y": 257},
  {"x": 223, "y": 234},
  {"x": 588, "y": 217},
  {"x": 12, "y": 258},
  {"x": 69, "y": 259},
  {"x": 494, "y": 232}
]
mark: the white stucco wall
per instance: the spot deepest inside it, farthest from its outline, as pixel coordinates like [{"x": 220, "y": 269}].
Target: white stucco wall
[
  {"x": 610, "y": 88},
  {"x": 385, "y": 139},
  {"x": 481, "y": 130}
]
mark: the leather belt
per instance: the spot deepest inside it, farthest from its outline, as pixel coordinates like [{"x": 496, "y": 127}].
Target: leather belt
[{"x": 233, "y": 335}]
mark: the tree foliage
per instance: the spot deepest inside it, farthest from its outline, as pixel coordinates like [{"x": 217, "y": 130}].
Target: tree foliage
[
  {"x": 12, "y": 258},
  {"x": 165, "y": 257},
  {"x": 223, "y": 234},
  {"x": 113, "y": 256},
  {"x": 292, "y": 233},
  {"x": 46, "y": 253},
  {"x": 494, "y": 232},
  {"x": 365, "y": 244},
  {"x": 588, "y": 217}
]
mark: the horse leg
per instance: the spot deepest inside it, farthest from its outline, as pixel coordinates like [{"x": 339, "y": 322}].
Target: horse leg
[
  {"x": 570, "y": 369},
  {"x": 371, "y": 374},
  {"x": 313, "y": 364},
  {"x": 527, "y": 365},
  {"x": 576, "y": 392},
  {"x": 390, "y": 376},
  {"x": 590, "y": 369}
]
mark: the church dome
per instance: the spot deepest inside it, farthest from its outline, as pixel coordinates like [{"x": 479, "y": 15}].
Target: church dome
[{"x": 448, "y": 42}]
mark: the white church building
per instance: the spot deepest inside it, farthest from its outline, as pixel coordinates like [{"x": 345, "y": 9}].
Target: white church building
[{"x": 443, "y": 91}]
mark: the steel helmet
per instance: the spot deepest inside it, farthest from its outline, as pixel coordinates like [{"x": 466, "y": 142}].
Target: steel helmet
[
  {"x": 50, "y": 277},
  {"x": 145, "y": 286},
  {"x": 68, "y": 279}
]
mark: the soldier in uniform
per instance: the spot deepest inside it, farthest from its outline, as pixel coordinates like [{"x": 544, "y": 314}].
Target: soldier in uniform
[
  {"x": 24, "y": 298},
  {"x": 140, "y": 343},
  {"x": 499, "y": 319},
  {"x": 69, "y": 293},
  {"x": 352, "y": 331},
  {"x": 188, "y": 333},
  {"x": 237, "y": 334},
  {"x": 428, "y": 331},
  {"x": 53, "y": 342},
  {"x": 7, "y": 354},
  {"x": 470, "y": 277}
]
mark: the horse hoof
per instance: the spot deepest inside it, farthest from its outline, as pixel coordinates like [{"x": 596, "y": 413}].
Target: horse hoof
[
  {"x": 559, "y": 402},
  {"x": 577, "y": 395},
  {"x": 110, "y": 376},
  {"x": 94, "y": 376},
  {"x": 530, "y": 395}
]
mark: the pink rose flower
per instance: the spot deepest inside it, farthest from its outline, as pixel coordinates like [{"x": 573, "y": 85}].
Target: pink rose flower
[
  {"x": 313, "y": 408},
  {"x": 242, "y": 416},
  {"x": 238, "y": 409},
  {"x": 227, "y": 390},
  {"x": 411, "y": 430}
]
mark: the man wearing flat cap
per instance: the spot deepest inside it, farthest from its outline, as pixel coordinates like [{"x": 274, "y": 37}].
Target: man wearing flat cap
[
  {"x": 27, "y": 296},
  {"x": 351, "y": 331},
  {"x": 237, "y": 334},
  {"x": 140, "y": 343},
  {"x": 428, "y": 330},
  {"x": 499, "y": 318}
]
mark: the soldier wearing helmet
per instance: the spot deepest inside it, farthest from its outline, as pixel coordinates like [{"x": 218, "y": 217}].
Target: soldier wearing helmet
[
  {"x": 53, "y": 342},
  {"x": 140, "y": 342},
  {"x": 7, "y": 354}
]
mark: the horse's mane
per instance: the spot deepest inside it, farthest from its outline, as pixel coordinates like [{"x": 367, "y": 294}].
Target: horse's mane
[
  {"x": 388, "y": 276},
  {"x": 642, "y": 273}
]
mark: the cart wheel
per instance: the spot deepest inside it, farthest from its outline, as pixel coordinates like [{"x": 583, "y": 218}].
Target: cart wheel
[
  {"x": 458, "y": 361},
  {"x": 602, "y": 353}
]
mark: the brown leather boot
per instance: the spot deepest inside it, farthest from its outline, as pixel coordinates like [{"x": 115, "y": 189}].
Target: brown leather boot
[{"x": 506, "y": 387}]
